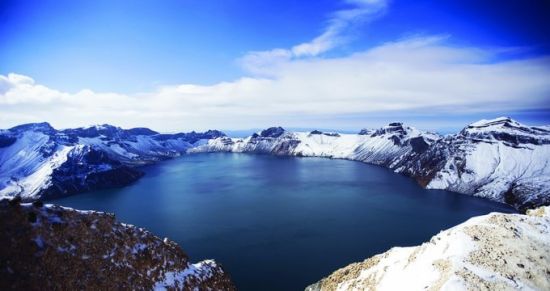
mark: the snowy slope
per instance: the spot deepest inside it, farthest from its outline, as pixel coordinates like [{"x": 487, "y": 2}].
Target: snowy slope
[
  {"x": 498, "y": 159},
  {"x": 37, "y": 160},
  {"x": 491, "y": 252}
]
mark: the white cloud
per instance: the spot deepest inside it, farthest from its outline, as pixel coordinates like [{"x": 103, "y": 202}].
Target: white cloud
[
  {"x": 333, "y": 35},
  {"x": 403, "y": 76},
  {"x": 263, "y": 62}
]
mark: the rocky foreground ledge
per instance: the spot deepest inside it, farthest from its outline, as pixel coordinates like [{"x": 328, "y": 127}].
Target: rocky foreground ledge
[
  {"x": 491, "y": 252},
  {"x": 47, "y": 247}
]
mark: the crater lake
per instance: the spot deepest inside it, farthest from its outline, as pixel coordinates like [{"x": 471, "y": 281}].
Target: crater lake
[{"x": 281, "y": 223}]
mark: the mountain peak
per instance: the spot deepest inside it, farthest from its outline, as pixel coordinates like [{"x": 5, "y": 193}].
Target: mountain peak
[
  {"x": 44, "y": 127},
  {"x": 507, "y": 130},
  {"x": 498, "y": 124},
  {"x": 95, "y": 131},
  {"x": 140, "y": 131},
  {"x": 215, "y": 133},
  {"x": 393, "y": 128},
  {"x": 496, "y": 121},
  {"x": 104, "y": 126},
  {"x": 272, "y": 132},
  {"x": 396, "y": 124},
  {"x": 366, "y": 131}
]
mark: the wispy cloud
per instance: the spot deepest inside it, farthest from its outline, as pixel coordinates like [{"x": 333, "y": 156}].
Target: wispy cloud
[
  {"x": 407, "y": 75},
  {"x": 335, "y": 34}
]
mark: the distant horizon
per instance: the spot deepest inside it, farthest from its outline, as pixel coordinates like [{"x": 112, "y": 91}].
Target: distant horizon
[{"x": 245, "y": 132}]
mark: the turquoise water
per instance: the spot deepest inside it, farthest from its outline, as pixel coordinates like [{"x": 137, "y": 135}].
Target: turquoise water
[{"x": 281, "y": 223}]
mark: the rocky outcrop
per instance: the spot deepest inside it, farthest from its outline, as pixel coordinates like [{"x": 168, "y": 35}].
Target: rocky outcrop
[
  {"x": 47, "y": 247},
  {"x": 272, "y": 132},
  {"x": 491, "y": 252},
  {"x": 498, "y": 159}
]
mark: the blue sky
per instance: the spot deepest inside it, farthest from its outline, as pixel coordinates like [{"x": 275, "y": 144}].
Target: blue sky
[{"x": 181, "y": 65}]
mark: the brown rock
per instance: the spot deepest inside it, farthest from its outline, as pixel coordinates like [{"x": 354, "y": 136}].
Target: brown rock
[{"x": 55, "y": 248}]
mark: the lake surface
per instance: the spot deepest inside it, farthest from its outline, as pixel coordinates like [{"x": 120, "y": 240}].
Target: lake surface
[{"x": 281, "y": 223}]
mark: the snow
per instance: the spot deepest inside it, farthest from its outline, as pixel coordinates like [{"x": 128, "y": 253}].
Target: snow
[
  {"x": 201, "y": 271},
  {"x": 494, "y": 251},
  {"x": 39, "y": 242},
  {"x": 375, "y": 149},
  {"x": 486, "y": 122},
  {"x": 23, "y": 157},
  {"x": 35, "y": 182},
  {"x": 137, "y": 248},
  {"x": 24, "y": 169},
  {"x": 328, "y": 146},
  {"x": 493, "y": 166}
]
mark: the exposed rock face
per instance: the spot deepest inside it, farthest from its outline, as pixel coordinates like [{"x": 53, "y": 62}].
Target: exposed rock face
[
  {"x": 272, "y": 132},
  {"x": 55, "y": 248},
  {"x": 87, "y": 168},
  {"x": 38, "y": 161},
  {"x": 315, "y": 132},
  {"x": 6, "y": 140},
  {"x": 491, "y": 252},
  {"x": 498, "y": 159}
]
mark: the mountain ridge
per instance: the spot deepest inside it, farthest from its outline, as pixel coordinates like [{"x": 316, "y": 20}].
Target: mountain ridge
[{"x": 499, "y": 159}]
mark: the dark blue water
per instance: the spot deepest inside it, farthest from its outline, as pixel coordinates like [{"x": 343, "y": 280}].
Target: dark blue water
[{"x": 282, "y": 223}]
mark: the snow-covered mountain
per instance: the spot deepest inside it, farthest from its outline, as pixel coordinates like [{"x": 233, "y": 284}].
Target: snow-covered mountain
[
  {"x": 491, "y": 252},
  {"x": 37, "y": 160},
  {"x": 498, "y": 159},
  {"x": 385, "y": 146}
]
